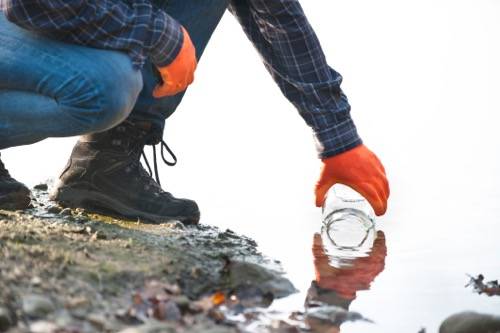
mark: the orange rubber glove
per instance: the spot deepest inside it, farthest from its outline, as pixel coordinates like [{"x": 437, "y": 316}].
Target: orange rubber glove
[
  {"x": 179, "y": 74},
  {"x": 360, "y": 169}
]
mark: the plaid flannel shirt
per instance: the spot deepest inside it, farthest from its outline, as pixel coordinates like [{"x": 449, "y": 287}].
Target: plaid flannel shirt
[{"x": 278, "y": 29}]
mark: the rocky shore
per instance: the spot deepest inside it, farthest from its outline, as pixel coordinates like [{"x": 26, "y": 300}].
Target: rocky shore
[{"x": 65, "y": 270}]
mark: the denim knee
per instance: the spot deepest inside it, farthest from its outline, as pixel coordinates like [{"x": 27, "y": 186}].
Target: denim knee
[{"x": 117, "y": 94}]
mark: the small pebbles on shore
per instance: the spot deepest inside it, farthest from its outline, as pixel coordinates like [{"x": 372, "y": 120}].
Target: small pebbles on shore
[{"x": 37, "y": 306}]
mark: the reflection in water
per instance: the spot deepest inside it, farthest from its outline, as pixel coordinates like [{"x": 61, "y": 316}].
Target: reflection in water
[
  {"x": 337, "y": 282},
  {"x": 329, "y": 296}
]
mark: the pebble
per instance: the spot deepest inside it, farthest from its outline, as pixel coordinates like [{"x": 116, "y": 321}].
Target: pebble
[
  {"x": 41, "y": 187},
  {"x": 54, "y": 209},
  {"x": 36, "y": 281},
  {"x": 37, "y": 306},
  {"x": 43, "y": 327},
  {"x": 98, "y": 320},
  {"x": 243, "y": 274}
]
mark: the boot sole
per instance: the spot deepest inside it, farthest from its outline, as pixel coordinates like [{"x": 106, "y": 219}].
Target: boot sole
[
  {"x": 94, "y": 201},
  {"x": 16, "y": 200}
]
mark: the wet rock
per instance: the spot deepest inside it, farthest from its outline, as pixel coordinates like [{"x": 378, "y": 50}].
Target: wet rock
[
  {"x": 250, "y": 296},
  {"x": 37, "y": 306},
  {"x": 65, "y": 212},
  {"x": 470, "y": 322},
  {"x": 54, "y": 209},
  {"x": 41, "y": 187},
  {"x": 242, "y": 274},
  {"x": 6, "y": 319}
]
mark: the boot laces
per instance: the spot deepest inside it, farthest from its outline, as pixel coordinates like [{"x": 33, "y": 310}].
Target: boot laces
[
  {"x": 163, "y": 147},
  {"x": 147, "y": 176}
]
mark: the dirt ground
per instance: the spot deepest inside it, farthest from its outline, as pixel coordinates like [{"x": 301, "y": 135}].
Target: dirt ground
[{"x": 65, "y": 270}]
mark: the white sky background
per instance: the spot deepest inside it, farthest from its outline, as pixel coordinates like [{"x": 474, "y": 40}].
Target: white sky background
[{"x": 423, "y": 78}]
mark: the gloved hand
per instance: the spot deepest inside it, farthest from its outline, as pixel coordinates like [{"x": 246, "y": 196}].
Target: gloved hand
[
  {"x": 360, "y": 169},
  {"x": 179, "y": 74}
]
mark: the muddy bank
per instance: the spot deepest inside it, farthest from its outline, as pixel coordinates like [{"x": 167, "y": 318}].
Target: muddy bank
[{"x": 67, "y": 270}]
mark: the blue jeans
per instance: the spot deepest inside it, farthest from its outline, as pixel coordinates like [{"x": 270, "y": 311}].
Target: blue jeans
[{"x": 54, "y": 89}]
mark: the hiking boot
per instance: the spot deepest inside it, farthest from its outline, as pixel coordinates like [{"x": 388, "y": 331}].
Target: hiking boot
[
  {"x": 13, "y": 194},
  {"x": 104, "y": 174}
]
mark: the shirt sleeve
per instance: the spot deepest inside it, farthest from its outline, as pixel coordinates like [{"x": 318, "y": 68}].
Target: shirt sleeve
[
  {"x": 134, "y": 27},
  {"x": 292, "y": 54}
]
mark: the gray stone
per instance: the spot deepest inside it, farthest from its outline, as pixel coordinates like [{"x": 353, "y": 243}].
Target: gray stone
[
  {"x": 243, "y": 274},
  {"x": 470, "y": 322},
  {"x": 37, "y": 306},
  {"x": 54, "y": 209},
  {"x": 43, "y": 327}
]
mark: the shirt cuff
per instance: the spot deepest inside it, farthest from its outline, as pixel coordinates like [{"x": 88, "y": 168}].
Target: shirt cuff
[
  {"x": 337, "y": 139},
  {"x": 166, "y": 39}
]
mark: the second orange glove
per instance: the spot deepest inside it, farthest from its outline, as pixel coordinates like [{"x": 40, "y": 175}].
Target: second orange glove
[{"x": 179, "y": 74}]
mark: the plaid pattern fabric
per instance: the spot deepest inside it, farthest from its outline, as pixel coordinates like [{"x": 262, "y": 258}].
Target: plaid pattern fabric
[
  {"x": 278, "y": 28},
  {"x": 135, "y": 27},
  {"x": 292, "y": 54}
]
